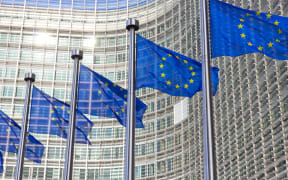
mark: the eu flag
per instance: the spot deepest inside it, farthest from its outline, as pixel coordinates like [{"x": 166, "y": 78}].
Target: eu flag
[
  {"x": 10, "y": 133},
  {"x": 1, "y": 162},
  {"x": 51, "y": 116},
  {"x": 168, "y": 71},
  {"x": 100, "y": 97},
  {"x": 236, "y": 31}
]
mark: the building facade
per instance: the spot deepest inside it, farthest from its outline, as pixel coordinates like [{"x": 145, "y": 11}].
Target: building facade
[{"x": 250, "y": 107}]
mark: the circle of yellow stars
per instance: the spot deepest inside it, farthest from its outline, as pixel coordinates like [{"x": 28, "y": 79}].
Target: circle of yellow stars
[
  {"x": 107, "y": 105},
  {"x": 249, "y": 43},
  {"x": 172, "y": 84}
]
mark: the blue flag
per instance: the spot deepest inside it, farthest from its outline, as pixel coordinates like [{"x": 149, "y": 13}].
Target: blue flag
[
  {"x": 168, "y": 71},
  {"x": 100, "y": 97},
  {"x": 10, "y": 133},
  {"x": 236, "y": 31},
  {"x": 1, "y": 162},
  {"x": 51, "y": 116}
]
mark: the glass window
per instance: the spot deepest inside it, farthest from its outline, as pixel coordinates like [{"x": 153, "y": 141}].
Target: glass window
[
  {"x": 3, "y": 37},
  {"x": 48, "y": 74},
  {"x": 12, "y": 54},
  {"x": 50, "y": 56},
  {"x": 2, "y": 53},
  {"x": 111, "y": 59},
  {"x": 63, "y": 57},
  {"x": 150, "y": 169},
  {"x": 61, "y": 75},
  {"x": 63, "y": 41},
  {"x": 10, "y": 73},
  {"x": 75, "y": 42},
  {"x": 14, "y": 38},
  {"x": 9, "y": 172},
  {"x": 38, "y": 56},
  {"x": 121, "y": 57},
  {"x": 8, "y": 91},
  {"x": 18, "y": 110},
  {"x": 59, "y": 93}
]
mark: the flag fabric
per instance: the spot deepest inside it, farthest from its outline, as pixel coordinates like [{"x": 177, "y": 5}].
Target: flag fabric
[
  {"x": 100, "y": 97},
  {"x": 10, "y": 134},
  {"x": 236, "y": 31},
  {"x": 168, "y": 71},
  {"x": 51, "y": 116},
  {"x": 1, "y": 162}
]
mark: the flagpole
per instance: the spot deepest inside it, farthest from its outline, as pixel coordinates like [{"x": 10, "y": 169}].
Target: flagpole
[
  {"x": 76, "y": 55},
  {"x": 208, "y": 138},
  {"x": 29, "y": 78},
  {"x": 132, "y": 25}
]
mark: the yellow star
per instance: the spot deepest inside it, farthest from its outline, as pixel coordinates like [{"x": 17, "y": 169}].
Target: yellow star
[
  {"x": 62, "y": 129},
  {"x": 12, "y": 142},
  {"x": 193, "y": 73},
  {"x": 186, "y": 86},
  {"x": 66, "y": 130},
  {"x": 257, "y": 13},
  {"x": 121, "y": 89},
  {"x": 101, "y": 99},
  {"x": 163, "y": 75},
  {"x": 125, "y": 102},
  {"x": 16, "y": 147},
  {"x": 7, "y": 129},
  {"x": 169, "y": 55},
  {"x": 240, "y": 26},
  {"x": 125, "y": 95},
  {"x": 28, "y": 140},
  {"x": 277, "y": 40},
  {"x": 242, "y": 20},
  {"x": 250, "y": 44},
  {"x": 117, "y": 113},
  {"x": 190, "y": 68},
  {"x": 55, "y": 107},
  {"x": 52, "y": 111},
  {"x": 185, "y": 61},
  {"x": 177, "y": 57},
  {"x": 260, "y": 48},
  {"x": 123, "y": 110},
  {"x": 53, "y": 118},
  {"x": 279, "y": 31},
  {"x": 177, "y": 86},
  {"x": 247, "y": 14},
  {"x": 268, "y": 15},
  {"x": 276, "y": 23},
  {"x": 62, "y": 107},
  {"x": 163, "y": 58},
  {"x": 99, "y": 91},
  {"x": 7, "y": 137},
  {"x": 114, "y": 85},
  {"x": 270, "y": 44},
  {"x": 161, "y": 65},
  {"x": 107, "y": 106},
  {"x": 243, "y": 35},
  {"x": 168, "y": 82},
  {"x": 68, "y": 112},
  {"x": 191, "y": 81},
  {"x": 106, "y": 84},
  {"x": 57, "y": 125}
]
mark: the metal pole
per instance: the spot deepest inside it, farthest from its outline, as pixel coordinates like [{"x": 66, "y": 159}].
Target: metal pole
[
  {"x": 76, "y": 55},
  {"x": 208, "y": 138},
  {"x": 29, "y": 78},
  {"x": 132, "y": 25}
]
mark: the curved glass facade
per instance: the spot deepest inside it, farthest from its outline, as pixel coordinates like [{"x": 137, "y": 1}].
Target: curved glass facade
[{"x": 250, "y": 107}]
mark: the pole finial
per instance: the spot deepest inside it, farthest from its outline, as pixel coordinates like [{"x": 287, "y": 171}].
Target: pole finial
[
  {"x": 77, "y": 53},
  {"x": 29, "y": 77},
  {"x": 132, "y": 23}
]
